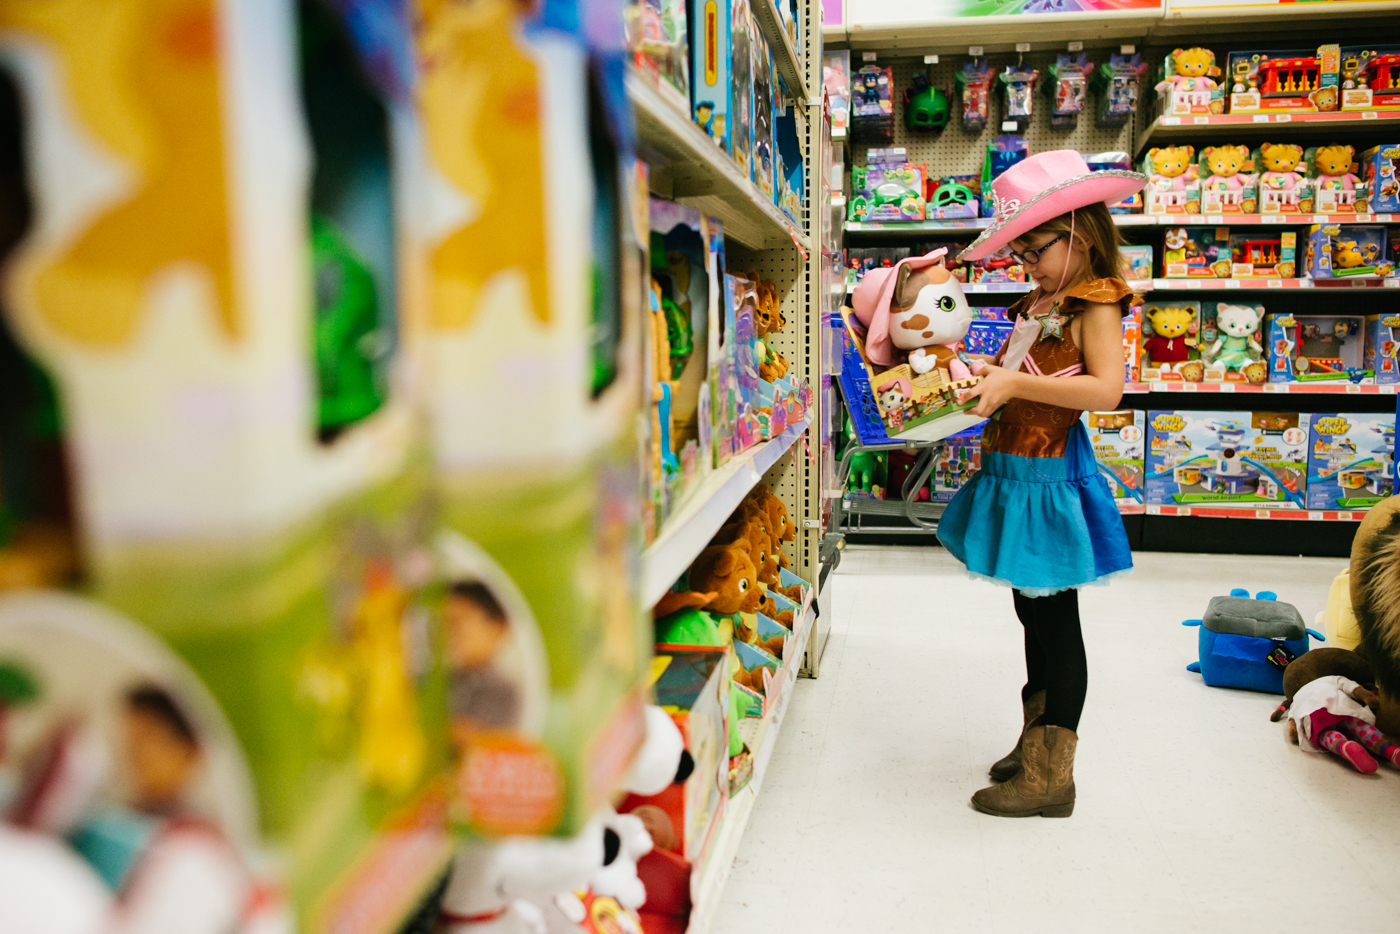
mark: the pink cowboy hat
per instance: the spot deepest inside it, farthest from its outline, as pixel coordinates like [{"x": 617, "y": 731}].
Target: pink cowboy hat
[
  {"x": 1042, "y": 188},
  {"x": 871, "y": 303}
]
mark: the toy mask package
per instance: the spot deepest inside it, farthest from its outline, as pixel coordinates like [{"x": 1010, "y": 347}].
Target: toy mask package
[
  {"x": 1225, "y": 458},
  {"x": 1351, "y": 460},
  {"x": 1119, "y": 439}
]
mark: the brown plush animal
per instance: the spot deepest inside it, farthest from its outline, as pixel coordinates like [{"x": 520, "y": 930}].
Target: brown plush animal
[
  {"x": 728, "y": 572},
  {"x": 1375, "y": 600},
  {"x": 1319, "y": 663},
  {"x": 761, "y": 547}
]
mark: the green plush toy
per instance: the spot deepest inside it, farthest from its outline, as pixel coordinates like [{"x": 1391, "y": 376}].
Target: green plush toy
[{"x": 696, "y": 627}]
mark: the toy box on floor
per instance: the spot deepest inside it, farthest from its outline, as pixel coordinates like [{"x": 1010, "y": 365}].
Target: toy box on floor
[
  {"x": 1224, "y": 458},
  {"x": 1171, "y": 342},
  {"x": 1351, "y": 460},
  {"x": 1119, "y": 439},
  {"x": 1292, "y": 81},
  {"x": 1380, "y": 186},
  {"x": 955, "y": 463},
  {"x": 1231, "y": 342},
  {"x": 1310, "y": 348},
  {"x": 1196, "y": 252},
  {"x": 1336, "y": 251}
]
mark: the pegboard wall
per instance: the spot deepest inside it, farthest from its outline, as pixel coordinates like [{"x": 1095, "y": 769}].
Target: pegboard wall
[{"x": 955, "y": 151}]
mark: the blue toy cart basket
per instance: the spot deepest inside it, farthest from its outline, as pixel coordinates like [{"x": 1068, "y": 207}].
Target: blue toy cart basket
[{"x": 1246, "y": 643}]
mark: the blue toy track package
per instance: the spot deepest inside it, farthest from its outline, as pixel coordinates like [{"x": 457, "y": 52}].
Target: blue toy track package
[{"x": 1247, "y": 643}]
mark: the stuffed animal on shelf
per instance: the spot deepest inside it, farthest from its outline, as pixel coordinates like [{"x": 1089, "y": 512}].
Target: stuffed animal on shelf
[
  {"x": 1169, "y": 167},
  {"x": 1280, "y": 163},
  {"x": 761, "y": 548},
  {"x": 1230, "y": 173},
  {"x": 1333, "y": 168},
  {"x": 1169, "y": 347},
  {"x": 1238, "y": 345},
  {"x": 1190, "y": 70},
  {"x": 728, "y": 572}
]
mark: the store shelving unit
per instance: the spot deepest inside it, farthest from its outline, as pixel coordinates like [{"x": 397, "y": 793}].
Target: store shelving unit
[
  {"x": 1328, "y": 388},
  {"x": 785, "y": 55},
  {"x": 1223, "y": 127}
]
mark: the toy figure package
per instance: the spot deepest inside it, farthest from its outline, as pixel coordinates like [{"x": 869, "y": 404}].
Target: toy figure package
[
  {"x": 1116, "y": 82},
  {"x": 1351, "y": 460},
  {"x": 1018, "y": 88},
  {"x": 1295, "y": 81},
  {"x": 1229, "y": 184},
  {"x": 1284, "y": 186},
  {"x": 710, "y": 98},
  {"x": 1173, "y": 185},
  {"x": 974, "y": 83},
  {"x": 872, "y": 104},
  {"x": 1132, "y": 344},
  {"x": 1332, "y": 172},
  {"x": 1227, "y": 458},
  {"x": 1119, "y": 439},
  {"x": 1067, "y": 87},
  {"x": 1336, "y": 251},
  {"x": 1139, "y": 257},
  {"x": 954, "y": 463},
  {"x": 1171, "y": 342},
  {"x": 1196, "y": 252},
  {"x": 763, "y": 89},
  {"x": 656, "y": 34},
  {"x": 836, "y": 79},
  {"x": 742, "y": 36},
  {"x": 1188, "y": 84}
]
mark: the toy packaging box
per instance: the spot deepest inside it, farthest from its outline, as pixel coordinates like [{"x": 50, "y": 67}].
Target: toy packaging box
[
  {"x": 1171, "y": 342},
  {"x": 974, "y": 82},
  {"x": 763, "y": 160},
  {"x": 1188, "y": 84},
  {"x": 1351, "y": 460},
  {"x": 988, "y": 331},
  {"x": 1313, "y": 348},
  {"x": 656, "y": 35},
  {"x": 1232, "y": 342},
  {"x": 742, "y": 36},
  {"x": 1380, "y": 185},
  {"x": 1371, "y": 78},
  {"x": 1284, "y": 184},
  {"x": 1225, "y": 458},
  {"x": 1332, "y": 171},
  {"x": 1119, "y": 439},
  {"x": 1101, "y": 161},
  {"x": 1261, "y": 254},
  {"x": 1132, "y": 344},
  {"x": 711, "y": 103},
  {"x": 954, "y": 196},
  {"x": 1382, "y": 346},
  {"x": 789, "y": 181},
  {"x": 1229, "y": 184},
  {"x": 887, "y": 191},
  {"x": 954, "y": 464},
  {"x": 1196, "y": 252},
  {"x": 1117, "y": 82},
  {"x": 1001, "y": 266},
  {"x": 1293, "y": 81},
  {"x": 1139, "y": 257},
  {"x": 1336, "y": 251},
  {"x": 836, "y": 80},
  {"x": 872, "y": 104},
  {"x": 1174, "y": 181}
]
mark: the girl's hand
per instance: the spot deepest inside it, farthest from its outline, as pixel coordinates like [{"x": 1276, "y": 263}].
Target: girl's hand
[{"x": 998, "y": 387}]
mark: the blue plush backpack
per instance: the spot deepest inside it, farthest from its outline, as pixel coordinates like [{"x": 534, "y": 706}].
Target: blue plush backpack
[{"x": 1247, "y": 643}]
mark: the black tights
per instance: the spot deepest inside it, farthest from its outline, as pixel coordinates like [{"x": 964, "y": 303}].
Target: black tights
[{"x": 1055, "y": 661}]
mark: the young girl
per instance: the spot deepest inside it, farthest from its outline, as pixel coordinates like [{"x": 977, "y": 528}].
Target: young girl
[{"x": 1037, "y": 517}]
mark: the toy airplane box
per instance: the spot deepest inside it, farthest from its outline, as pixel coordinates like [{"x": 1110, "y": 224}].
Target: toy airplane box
[
  {"x": 923, "y": 407},
  {"x": 954, "y": 464},
  {"x": 1382, "y": 347},
  {"x": 1379, "y": 188},
  {"x": 1313, "y": 348},
  {"x": 1292, "y": 81},
  {"x": 1119, "y": 439},
  {"x": 1346, "y": 251},
  {"x": 1227, "y": 458},
  {"x": 1351, "y": 460}
]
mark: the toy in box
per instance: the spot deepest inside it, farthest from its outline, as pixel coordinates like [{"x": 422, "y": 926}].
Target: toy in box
[
  {"x": 1293, "y": 81},
  {"x": 1222, "y": 458},
  {"x": 1371, "y": 78},
  {"x": 1351, "y": 460},
  {"x": 1382, "y": 346},
  {"x": 1117, "y": 83},
  {"x": 1260, "y": 254},
  {"x": 1119, "y": 439},
  {"x": 1231, "y": 342},
  {"x": 711, "y": 102},
  {"x": 789, "y": 185},
  {"x": 1313, "y": 348},
  {"x": 1174, "y": 181},
  {"x": 1188, "y": 84},
  {"x": 742, "y": 36},
  {"x": 1380, "y": 186},
  {"x": 1002, "y": 153},
  {"x": 1332, "y": 171},
  {"x": 656, "y": 35},
  {"x": 1229, "y": 184},
  {"x": 1284, "y": 185},
  {"x": 954, "y": 463},
  {"x": 1337, "y": 251},
  {"x": 872, "y": 104},
  {"x": 1171, "y": 342},
  {"x": 1132, "y": 344},
  {"x": 988, "y": 331},
  {"x": 887, "y": 192},
  {"x": 1067, "y": 88},
  {"x": 836, "y": 80},
  {"x": 953, "y": 197},
  {"x": 1102, "y": 161},
  {"x": 1018, "y": 88},
  {"x": 1196, "y": 252},
  {"x": 974, "y": 83},
  {"x": 1001, "y": 266},
  {"x": 1139, "y": 258},
  {"x": 764, "y": 160}
]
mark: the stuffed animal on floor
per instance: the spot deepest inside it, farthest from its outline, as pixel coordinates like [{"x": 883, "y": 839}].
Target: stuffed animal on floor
[
  {"x": 1375, "y": 601},
  {"x": 1320, "y": 663},
  {"x": 1337, "y": 715}
]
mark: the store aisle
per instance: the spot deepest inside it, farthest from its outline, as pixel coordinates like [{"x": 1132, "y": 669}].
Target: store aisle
[{"x": 1194, "y": 814}]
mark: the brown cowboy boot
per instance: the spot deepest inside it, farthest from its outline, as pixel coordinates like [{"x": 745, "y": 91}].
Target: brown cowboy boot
[
  {"x": 1045, "y": 785},
  {"x": 1006, "y": 768}
]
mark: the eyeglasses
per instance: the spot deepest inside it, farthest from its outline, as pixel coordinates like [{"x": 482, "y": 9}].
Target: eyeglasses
[{"x": 1033, "y": 256}]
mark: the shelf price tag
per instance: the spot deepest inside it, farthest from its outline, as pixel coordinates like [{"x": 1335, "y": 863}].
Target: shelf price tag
[
  {"x": 1283, "y": 118},
  {"x": 867, "y": 56},
  {"x": 1076, "y": 47},
  {"x": 1271, "y": 218},
  {"x": 1125, "y": 49},
  {"x": 1263, "y": 514},
  {"x": 1316, "y": 516},
  {"x": 1261, "y": 118},
  {"x": 1008, "y": 126},
  {"x": 1171, "y": 121},
  {"x": 1215, "y": 219},
  {"x": 1023, "y": 47},
  {"x": 930, "y": 59},
  {"x": 1200, "y": 120},
  {"x": 1274, "y": 283},
  {"x": 1368, "y": 115},
  {"x": 1232, "y": 283},
  {"x": 1227, "y": 387}
]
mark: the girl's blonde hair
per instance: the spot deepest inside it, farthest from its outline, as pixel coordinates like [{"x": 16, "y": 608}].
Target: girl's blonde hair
[{"x": 1094, "y": 227}]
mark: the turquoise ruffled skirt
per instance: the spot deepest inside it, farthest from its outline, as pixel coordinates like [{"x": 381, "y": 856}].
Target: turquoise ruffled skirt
[{"x": 1039, "y": 524}]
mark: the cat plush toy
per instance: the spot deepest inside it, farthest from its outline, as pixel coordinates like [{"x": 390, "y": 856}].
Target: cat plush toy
[{"x": 916, "y": 312}]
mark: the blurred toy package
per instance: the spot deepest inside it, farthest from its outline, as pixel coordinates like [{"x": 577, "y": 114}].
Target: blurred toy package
[
  {"x": 1188, "y": 84},
  {"x": 1336, "y": 251},
  {"x": 954, "y": 463},
  {"x": 1262, "y": 255},
  {"x": 1351, "y": 460},
  {"x": 1380, "y": 183},
  {"x": 887, "y": 191},
  {"x": 1382, "y": 347},
  {"x": 1174, "y": 181},
  {"x": 1102, "y": 161},
  {"x": 974, "y": 82},
  {"x": 1313, "y": 348},
  {"x": 872, "y": 104},
  {"x": 1227, "y": 458},
  {"x": 1132, "y": 344},
  {"x": 836, "y": 81},
  {"x": 1294, "y": 81},
  {"x": 1231, "y": 342},
  {"x": 1196, "y": 252},
  {"x": 710, "y": 77},
  {"x": 1284, "y": 184},
  {"x": 1117, "y": 82},
  {"x": 988, "y": 332},
  {"x": 742, "y": 36},
  {"x": 1332, "y": 171},
  {"x": 1371, "y": 78},
  {"x": 1139, "y": 257},
  {"x": 1119, "y": 439},
  {"x": 1067, "y": 88},
  {"x": 763, "y": 162},
  {"x": 656, "y": 34}
]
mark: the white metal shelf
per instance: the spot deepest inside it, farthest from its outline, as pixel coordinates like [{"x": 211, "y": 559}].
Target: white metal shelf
[
  {"x": 1264, "y": 285},
  {"x": 687, "y": 166},
  {"x": 705, "y": 510},
  {"x": 1250, "y": 512},
  {"x": 785, "y": 56},
  {"x": 1312, "y": 126},
  {"x": 973, "y": 225},
  {"x": 1330, "y": 388}
]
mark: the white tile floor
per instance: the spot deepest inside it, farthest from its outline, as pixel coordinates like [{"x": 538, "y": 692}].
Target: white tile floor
[{"x": 1193, "y": 814}]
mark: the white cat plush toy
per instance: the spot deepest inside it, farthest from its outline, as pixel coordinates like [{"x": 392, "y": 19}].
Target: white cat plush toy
[{"x": 916, "y": 311}]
